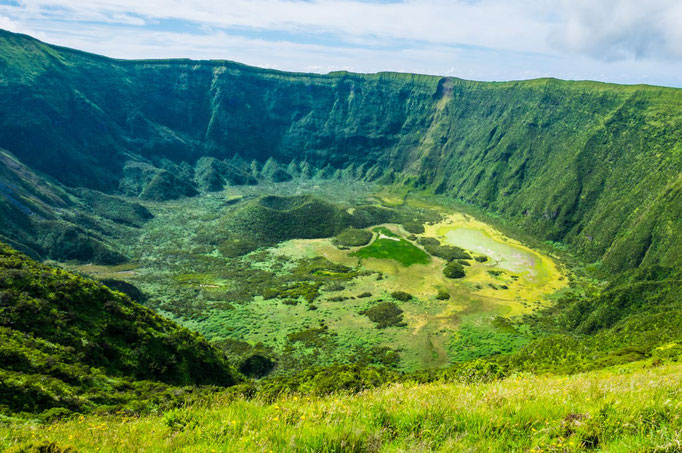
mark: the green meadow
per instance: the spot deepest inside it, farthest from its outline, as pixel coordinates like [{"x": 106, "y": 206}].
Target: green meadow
[{"x": 632, "y": 408}]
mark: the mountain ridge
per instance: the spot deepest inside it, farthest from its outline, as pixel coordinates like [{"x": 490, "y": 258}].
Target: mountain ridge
[{"x": 589, "y": 164}]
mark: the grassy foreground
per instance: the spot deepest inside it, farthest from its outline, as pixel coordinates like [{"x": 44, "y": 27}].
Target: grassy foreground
[{"x": 636, "y": 408}]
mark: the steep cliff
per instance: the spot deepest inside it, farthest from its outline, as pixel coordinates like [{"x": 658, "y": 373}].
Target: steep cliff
[{"x": 594, "y": 165}]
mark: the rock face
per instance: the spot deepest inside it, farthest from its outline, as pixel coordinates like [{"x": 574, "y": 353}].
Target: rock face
[{"x": 594, "y": 165}]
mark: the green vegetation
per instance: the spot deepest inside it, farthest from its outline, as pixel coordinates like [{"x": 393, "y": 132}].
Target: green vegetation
[
  {"x": 631, "y": 409},
  {"x": 166, "y": 186},
  {"x": 492, "y": 141},
  {"x": 401, "y": 296},
  {"x": 385, "y": 314},
  {"x": 446, "y": 252},
  {"x": 442, "y": 294},
  {"x": 353, "y": 238},
  {"x": 385, "y": 232},
  {"x": 273, "y": 219},
  {"x": 454, "y": 270},
  {"x": 73, "y": 344},
  {"x": 250, "y": 247},
  {"x": 400, "y": 250}
]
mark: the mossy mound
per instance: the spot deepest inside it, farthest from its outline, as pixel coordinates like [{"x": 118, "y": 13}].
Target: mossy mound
[
  {"x": 166, "y": 186},
  {"x": 272, "y": 219},
  {"x": 274, "y": 172},
  {"x": 401, "y": 250},
  {"x": 352, "y": 237},
  {"x": 401, "y": 296},
  {"x": 286, "y": 203},
  {"x": 442, "y": 294}
]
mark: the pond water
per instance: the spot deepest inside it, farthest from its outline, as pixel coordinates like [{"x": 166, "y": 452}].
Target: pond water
[{"x": 507, "y": 256}]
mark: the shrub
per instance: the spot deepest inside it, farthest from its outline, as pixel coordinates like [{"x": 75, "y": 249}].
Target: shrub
[
  {"x": 257, "y": 366},
  {"x": 447, "y": 252},
  {"x": 401, "y": 296},
  {"x": 453, "y": 270},
  {"x": 442, "y": 294},
  {"x": 427, "y": 241},
  {"x": 385, "y": 314},
  {"x": 414, "y": 227}
]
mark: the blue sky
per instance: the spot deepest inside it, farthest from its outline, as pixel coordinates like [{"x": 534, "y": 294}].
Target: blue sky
[{"x": 622, "y": 41}]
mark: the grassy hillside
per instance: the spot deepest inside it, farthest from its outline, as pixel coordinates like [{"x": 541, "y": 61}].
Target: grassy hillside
[
  {"x": 619, "y": 410},
  {"x": 594, "y": 165},
  {"x": 238, "y": 201},
  {"x": 71, "y": 343}
]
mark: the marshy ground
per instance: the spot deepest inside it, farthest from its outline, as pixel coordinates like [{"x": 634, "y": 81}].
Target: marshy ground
[{"x": 304, "y": 302}]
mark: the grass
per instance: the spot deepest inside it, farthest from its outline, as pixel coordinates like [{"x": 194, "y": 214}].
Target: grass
[
  {"x": 636, "y": 408},
  {"x": 183, "y": 269},
  {"x": 401, "y": 250},
  {"x": 385, "y": 231}
]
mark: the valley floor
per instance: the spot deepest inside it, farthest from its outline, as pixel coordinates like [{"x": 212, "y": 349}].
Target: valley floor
[
  {"x": 637, "y": 407},
  {"x": 180, "y": 261}
]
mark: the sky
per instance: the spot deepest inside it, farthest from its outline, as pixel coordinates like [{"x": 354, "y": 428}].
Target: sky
[{"x": 621, "y": 41}]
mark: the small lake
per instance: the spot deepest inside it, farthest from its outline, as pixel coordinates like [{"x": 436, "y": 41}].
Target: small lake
[{"x": 507, "y": 256}]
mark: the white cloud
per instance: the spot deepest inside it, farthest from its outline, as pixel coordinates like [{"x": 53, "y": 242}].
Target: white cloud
[
  {"x": 622, "y": 29},
  {"x": 8, "y": 24},
  {"x": 625, "y": 41},
  {"x": 490, "y": 23}
]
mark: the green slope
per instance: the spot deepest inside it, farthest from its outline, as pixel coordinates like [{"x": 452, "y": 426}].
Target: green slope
[
  {"x": 618, "y": 410},
  {"x": 47, "y": 220},
  {"x": 594, "y": 165},
  {"x": 68, "y": 342}
]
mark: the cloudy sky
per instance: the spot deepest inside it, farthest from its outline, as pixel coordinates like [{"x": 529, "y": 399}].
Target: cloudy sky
[{"x": 623, "y": 41}]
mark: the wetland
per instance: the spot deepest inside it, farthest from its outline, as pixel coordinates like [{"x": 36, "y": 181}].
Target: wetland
[{"x": 322, "y": 285}]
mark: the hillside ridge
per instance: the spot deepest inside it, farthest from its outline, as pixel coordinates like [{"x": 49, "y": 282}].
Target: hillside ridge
[{"x": 588, "y": 164}]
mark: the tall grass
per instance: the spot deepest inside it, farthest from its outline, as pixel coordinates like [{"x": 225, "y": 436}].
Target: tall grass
[{"x": 638, "y": 408}]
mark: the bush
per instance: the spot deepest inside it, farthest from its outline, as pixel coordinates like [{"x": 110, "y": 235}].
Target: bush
[
  {"x": 481, "y": 258},
  {"x": 257, "y": 366},
  {"x": 442, "y": 294},
  {"x": 414, "y": 227},
  {"x": 447, "y": 252},
  {"x": 385, "y": 314},
  {"x": 427, "y": 241},
  {"x": 453, "y": 270},
  {"x": 401, "y": 296}
]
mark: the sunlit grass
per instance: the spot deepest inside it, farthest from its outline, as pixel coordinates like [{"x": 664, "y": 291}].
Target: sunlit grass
[
  {"x": 399, "y": 250},
  {"x": 630, "y": 409}
]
